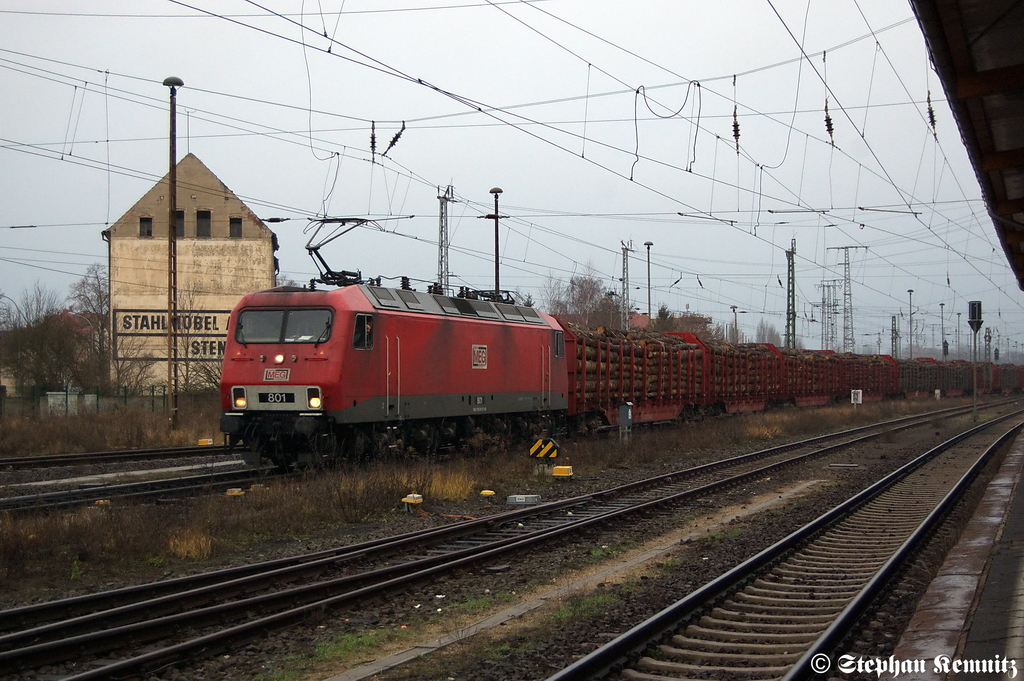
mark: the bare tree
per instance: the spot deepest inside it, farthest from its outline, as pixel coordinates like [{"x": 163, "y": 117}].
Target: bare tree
[
  {"x": 10, "y": 313},
  {"x": 44, "y": 347},
  {"x": 131, "y": 366},
  {"x": 583, "y": 299},
  {"x": 767, "y": 333},
  {"x": 196, "y": 372},
  {"x": 90, "y": 303}
]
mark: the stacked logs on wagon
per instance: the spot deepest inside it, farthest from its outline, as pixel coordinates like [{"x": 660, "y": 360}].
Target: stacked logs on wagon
[
  {"x": 634, "y": 363},
  {"x": 868, "y": 372},
  {"x": 742, "y": 369},
  {"x": 917, "y": 375},
  {"x": 956, "y": 375}
]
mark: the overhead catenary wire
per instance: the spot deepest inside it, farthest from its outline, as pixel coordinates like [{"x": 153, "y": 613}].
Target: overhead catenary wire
[{"x": 760, "y": 185}]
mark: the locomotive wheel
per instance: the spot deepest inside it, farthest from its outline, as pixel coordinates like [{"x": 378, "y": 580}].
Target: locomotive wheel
[
  {"x": 358, "y": 445},
  {"x": 325, "y": 446},
  {"x": 271, "y": 449},
  {"x": 385, "y": 444}
]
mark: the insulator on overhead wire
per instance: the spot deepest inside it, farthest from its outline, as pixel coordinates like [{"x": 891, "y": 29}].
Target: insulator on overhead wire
[
  {"x": 736, "y": 128},
  {"x": 394, "y": 140},
  {"x": 931, "y": 112},
  {"x": 828, "y": 124},
  {"x": 373, "y": 138}
]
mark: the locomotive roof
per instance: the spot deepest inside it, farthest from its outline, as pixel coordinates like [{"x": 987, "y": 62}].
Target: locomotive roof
[
  {"x": 429, "y": 303},
  {"x": 402, "y": 300}
]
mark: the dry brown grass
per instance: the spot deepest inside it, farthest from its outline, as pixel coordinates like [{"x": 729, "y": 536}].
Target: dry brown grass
[
  {"x": 97, "y": 541},
  {"x": 191, "y": 544},
  {"x": 122, "y": 429},
  {"x": 693, "y": 440}
]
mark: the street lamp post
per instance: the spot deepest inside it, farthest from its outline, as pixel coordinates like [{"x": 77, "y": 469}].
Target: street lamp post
[
  {"x": 648, "y": 244},
  {"x": 735, "y": 325},
  {"x": 21, "y": 316},
  {"x": 172, "y": 259},
  {"x": 911, "y": 292},
  {"x": 942, "y": 326}
]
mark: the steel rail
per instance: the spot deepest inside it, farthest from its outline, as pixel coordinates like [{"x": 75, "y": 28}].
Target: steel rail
[
  {"x": 136, "y": 490},
  {"x": 52, "y": 460},
  {"x": 614, "y": 654}
]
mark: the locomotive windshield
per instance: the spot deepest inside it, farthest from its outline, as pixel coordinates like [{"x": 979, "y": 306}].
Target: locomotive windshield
[{"x": 283, "y": 326}]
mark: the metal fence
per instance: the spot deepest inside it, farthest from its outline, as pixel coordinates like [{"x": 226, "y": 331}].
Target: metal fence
[{"x": 36, "y": 403}]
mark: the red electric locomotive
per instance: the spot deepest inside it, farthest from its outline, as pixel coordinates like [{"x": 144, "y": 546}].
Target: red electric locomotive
[{"x": 311, "y": 374}]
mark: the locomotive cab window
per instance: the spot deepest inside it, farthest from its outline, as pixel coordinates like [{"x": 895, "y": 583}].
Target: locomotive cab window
[
  {"x": 283, "y": 326},
  {"x": 307, "y": 326},
  {"x": 362, "y": 339},
  {"x": 559, "y": 344}
]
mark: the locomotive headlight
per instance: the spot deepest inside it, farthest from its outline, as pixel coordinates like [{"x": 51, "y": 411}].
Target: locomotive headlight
[
  {"x": 278, "y": 359},
  {"x": 238, "y": 397},
  {"x": 313, "y": 398}
]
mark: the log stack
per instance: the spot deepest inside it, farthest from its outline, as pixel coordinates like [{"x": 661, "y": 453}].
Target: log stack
[{"x": 633, "y": 365}]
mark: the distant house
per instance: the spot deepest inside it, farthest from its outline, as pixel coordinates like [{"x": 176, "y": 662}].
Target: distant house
[
  {"x": 223, "y": 252},
  {"x": 8, "y": 385}
]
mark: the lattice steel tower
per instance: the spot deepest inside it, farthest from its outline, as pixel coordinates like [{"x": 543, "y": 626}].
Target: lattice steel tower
[
  {"x": 895, "y": 338},
  {"x": 849, "y": 342},
  {"x": 442, "y": 238},
  {"x": 627, "y": 306},
  {"x": 791, "y": 297},
  {"x": 829, "y": 313}
]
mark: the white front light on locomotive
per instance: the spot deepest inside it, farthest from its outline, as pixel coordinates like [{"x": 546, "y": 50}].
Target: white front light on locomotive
[
  {"x": 238, "y": 397},
  {"x": 278, "y": 359},
  {"x": 313, "y": 398}
]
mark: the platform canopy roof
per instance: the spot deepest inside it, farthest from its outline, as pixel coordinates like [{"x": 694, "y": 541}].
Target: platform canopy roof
[{"x": 977, "y": 47}]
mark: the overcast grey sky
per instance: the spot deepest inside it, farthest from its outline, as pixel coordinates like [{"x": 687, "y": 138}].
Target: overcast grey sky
[{"x": 601, "y": 121}]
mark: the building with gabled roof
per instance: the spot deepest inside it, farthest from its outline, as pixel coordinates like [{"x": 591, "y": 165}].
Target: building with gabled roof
[{"x": 223, "y": 252}]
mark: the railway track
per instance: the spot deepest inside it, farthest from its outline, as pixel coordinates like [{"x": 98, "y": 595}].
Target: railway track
[
  {"x": 120, "y": 456},
  {"x": 188, "y": 615},
  {"x": 150, "y": 489},
  {"x": 775, "y": 615}
]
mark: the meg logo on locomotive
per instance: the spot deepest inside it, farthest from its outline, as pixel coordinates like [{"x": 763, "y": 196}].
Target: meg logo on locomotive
[{"x": 479, "y": 356}]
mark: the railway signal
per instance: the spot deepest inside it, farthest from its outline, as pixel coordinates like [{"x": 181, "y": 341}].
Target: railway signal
[{"x": 974, "y": 319}]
